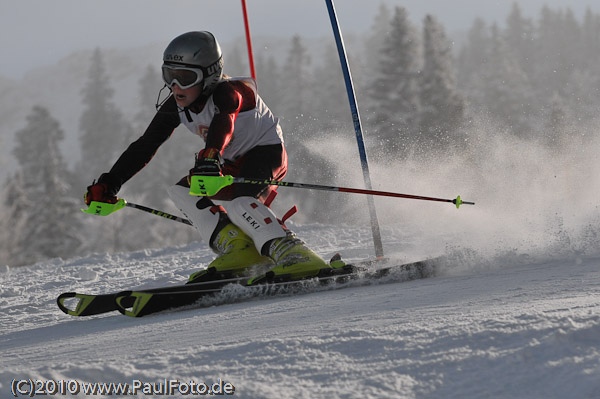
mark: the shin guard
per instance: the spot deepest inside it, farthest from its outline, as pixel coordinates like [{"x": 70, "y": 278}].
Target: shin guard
[
  {"x": 256, "y": 220},
  {"x": 203, "y": 214}
]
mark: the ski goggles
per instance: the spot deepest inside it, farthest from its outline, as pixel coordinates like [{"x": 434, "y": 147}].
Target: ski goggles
[{"x": 184, "y": 76}]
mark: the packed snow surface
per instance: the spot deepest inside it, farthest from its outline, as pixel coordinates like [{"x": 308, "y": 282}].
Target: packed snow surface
[{"x": 502, "y": 326}]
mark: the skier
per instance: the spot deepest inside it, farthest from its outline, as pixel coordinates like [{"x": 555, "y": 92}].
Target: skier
[{"x": 242, "y": 138}]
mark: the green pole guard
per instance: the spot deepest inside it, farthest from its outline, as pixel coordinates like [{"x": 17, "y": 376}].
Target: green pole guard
[
  {"x": 207, "y": 186},
  {"x": 104, "y": 208},
  {"x": 458, "y": 202}
]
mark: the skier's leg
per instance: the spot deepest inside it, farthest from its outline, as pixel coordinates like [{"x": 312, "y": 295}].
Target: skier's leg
[
  {"x": 235, "y": 248},
  {"x": 236, "y": 251},
  {"x": 293, "y": 259}
]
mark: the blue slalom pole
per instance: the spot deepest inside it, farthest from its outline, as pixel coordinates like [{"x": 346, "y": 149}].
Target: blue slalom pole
[{"x": 357, "y": 126}]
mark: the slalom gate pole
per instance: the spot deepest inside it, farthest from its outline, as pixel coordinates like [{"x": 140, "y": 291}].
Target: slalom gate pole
[
  {"x": 457, "y": 201},
  {"x": 248, "y": 40},
  {"x": 357, "y": 126}
]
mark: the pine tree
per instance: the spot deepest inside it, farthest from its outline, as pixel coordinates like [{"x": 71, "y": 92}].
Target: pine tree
[
  {"x": 301, "y": 129},
  {"x": 442, "y": 108},
  {"x": 295, "y": 99},
  {"x": 15, "y": 210},
  {"x": 473, "y": 60},
  {"x": 267, "y": 80},
  {"x": 46, "y": 216},
  {"x": 149, "y": 86},
  {"x": 558, "y": 36},
  {"x": 507, "y": 89},
  {"x": 395, "y": 93},
  {"x": 572, "y": 57},
  {"x": 380, "y": 30},
  {"x": 104, "y": 135},
  {"x": 236, "y": 61},
  {"x": 519, "y": 36},
  {"x": 104, "y": 131},
  {"x": 330, "y": 105},
  {"x": 590, "y": 37}
]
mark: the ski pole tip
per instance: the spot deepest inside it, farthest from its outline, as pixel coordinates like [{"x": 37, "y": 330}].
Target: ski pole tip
[{"x": 458, "y": 202}]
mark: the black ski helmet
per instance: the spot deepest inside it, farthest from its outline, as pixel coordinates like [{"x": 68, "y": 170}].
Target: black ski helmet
[{"x": 197, "y": 50}]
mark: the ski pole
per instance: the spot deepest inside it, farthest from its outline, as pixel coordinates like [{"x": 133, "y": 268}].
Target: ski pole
[
  {"x": 159, "y": 213},
  {"x": 210, "y": 185},
  {"x": 105, "y": 209}
]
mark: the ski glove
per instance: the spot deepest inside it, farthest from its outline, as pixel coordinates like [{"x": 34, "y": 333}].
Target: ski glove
[
  {"x": 102, "y": 191},
  {"x": 208, "y": 163}
]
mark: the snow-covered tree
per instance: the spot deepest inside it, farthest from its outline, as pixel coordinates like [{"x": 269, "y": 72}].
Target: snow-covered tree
[
  {"x": 330, "y": 104},
  {"x": 590, "y": 38},
  {"x": 46, "y": 218},
  {"x": 16, "y": 205},
  {"x": 236, "y": 61},
  {"x": 559, "y": 38},
  {"x": 394, "y": 93},
  {"x": 296, "y": 94},
  {"x": 103, "y": 129},
  {"x": 473, "y": 60},
  {"x": 375, "y": 40},
  {"x": 442, "y": 108},
  {"x": 268, "y": 80},
  {"x": 571, "y": 44},
  {"x": 519, "y": 36},
  {"x": 507, "y": 90},
  {"x": 149, "y": 85}
]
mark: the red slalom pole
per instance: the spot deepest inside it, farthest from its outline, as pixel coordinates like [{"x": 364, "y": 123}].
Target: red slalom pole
[{"x": 248, "y": 40}]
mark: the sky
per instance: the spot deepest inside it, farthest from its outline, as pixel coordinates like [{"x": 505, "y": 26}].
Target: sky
[{"x": 40, "y": 32}]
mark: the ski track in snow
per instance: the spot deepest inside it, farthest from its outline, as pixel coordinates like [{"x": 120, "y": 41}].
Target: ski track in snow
[{"x": 505, "y": 328}]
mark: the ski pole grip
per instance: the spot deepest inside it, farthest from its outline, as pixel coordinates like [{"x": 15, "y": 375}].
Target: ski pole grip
[
  {"x": 104, "y": 208},
  {"x": 207, "y": 186}
]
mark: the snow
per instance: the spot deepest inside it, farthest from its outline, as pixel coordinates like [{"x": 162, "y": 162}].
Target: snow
[{"x": 502, "y": 326}]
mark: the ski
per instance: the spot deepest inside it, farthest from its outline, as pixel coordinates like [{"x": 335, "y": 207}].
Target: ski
[
  {"x": 138, "y": 303},
  {"x": 90, "y": 304},
  {"x": 78, "y": 304}
]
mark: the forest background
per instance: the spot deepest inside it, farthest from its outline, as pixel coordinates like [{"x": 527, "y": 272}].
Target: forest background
[{"x": 424, "y": 99}]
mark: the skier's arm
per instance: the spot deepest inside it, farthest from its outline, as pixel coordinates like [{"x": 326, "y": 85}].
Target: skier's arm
[
  {"x": 141, "y": 151},
  {"x": 230, "y": 98}
]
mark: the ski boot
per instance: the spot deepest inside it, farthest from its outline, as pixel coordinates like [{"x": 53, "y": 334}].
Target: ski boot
[
  {"x": 236, "y": 255},
  {"x": 293, "y": 261}
]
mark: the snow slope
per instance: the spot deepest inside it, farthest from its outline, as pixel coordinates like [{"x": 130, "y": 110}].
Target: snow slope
[{"x": 502, "y": 326}]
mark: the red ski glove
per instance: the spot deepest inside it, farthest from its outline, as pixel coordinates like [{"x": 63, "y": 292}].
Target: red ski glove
[{"x": 100, "y": 192}]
